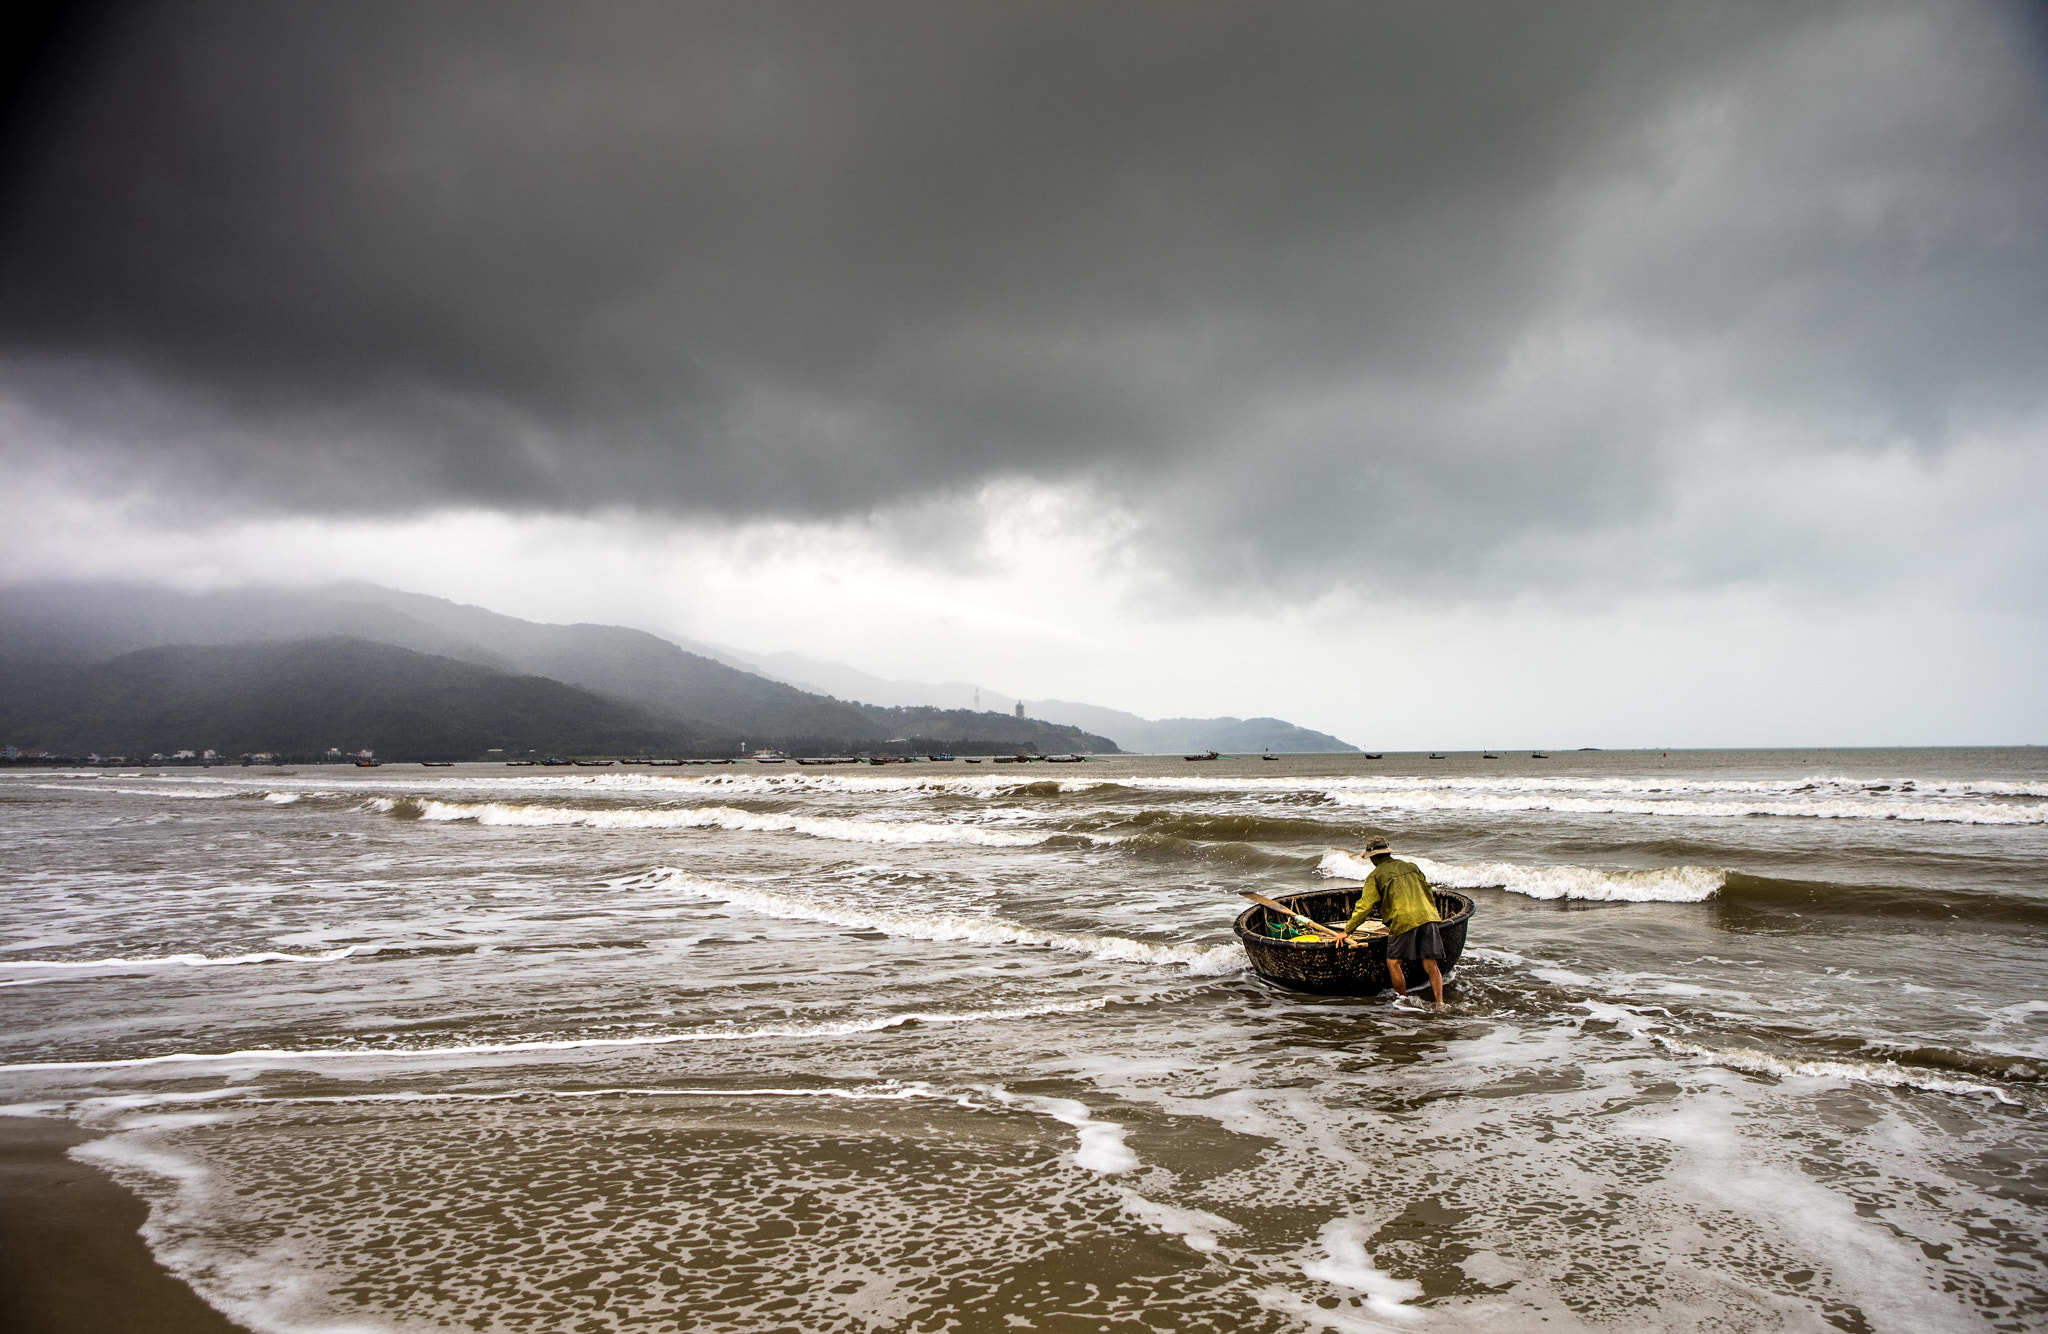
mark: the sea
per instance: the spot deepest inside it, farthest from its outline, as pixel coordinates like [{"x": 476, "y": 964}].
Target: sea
[{"x": 1741, "y": 1041}]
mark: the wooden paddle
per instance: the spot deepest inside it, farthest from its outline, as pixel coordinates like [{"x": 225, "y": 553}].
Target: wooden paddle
[{"x": 1311, "y": 923}]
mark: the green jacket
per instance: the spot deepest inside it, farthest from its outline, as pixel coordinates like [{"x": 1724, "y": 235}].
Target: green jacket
[{"x": 1404, "y": 890}]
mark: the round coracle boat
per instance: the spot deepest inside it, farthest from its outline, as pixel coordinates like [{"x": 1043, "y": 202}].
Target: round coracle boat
[{"x": 1342, "y": 970}]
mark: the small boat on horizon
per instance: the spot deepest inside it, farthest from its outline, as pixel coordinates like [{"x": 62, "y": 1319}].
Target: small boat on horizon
[
  {"x": 1434, "y": 756},
  {"x": 1488, "y": 755},
  {"x": 1374, "y": 755},
  {"x": 1538, "y": 755},
  {"x": 1065, "y": 759},
  {"x": 1205, "y": 755}
]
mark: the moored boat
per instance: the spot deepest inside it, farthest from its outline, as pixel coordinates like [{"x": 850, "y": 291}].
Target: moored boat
[
  {"x": 1205, "y": 755},
  {"x": 1342, "y": 970}
]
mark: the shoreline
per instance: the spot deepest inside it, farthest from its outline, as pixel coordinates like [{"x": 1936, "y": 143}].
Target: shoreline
[{"x": 72, "y": 1258}]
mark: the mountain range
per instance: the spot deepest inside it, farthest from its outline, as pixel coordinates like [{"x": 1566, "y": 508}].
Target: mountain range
[
  {"x": 83, "y": 668},
  {"x": 1128, "y": 730}
]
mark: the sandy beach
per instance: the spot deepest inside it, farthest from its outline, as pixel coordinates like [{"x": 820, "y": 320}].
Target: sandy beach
[{"x": 71, "y": 1259}]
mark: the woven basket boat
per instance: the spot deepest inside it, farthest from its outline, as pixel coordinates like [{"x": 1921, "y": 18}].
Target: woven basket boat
[{"x": 1338, "y": 970}]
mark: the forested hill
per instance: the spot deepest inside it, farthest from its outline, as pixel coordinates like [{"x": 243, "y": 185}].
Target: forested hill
[
  {"x": 706, "y": 699},
  {"x": 303, "y": 697}
]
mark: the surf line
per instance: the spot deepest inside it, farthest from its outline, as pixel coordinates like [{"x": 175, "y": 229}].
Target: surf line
[{"x": 849, "y": 1028}]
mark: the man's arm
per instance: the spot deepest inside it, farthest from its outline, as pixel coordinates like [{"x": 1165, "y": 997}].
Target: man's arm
[{"x": 1368, "y": 899}]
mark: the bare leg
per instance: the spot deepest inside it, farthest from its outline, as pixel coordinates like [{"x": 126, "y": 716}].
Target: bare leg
[
  {"x": 1400, "y": 982},
  {"x": 1436, "y": 980}
]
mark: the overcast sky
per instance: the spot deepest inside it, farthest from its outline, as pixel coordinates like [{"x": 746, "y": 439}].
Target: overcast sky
[{"x": 1437, "y": 374}]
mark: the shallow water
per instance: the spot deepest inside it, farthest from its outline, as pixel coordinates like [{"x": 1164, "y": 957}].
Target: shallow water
[{"x": 1744, "y": 1040}]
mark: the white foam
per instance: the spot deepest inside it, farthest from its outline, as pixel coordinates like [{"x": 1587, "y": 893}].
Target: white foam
[
  {"x": 1348, "y": 1266},
  {"x": 282, "y": 798},
  {"x": 1197, "y": 1227},
  {"x": 1199, "y": 960},
  {"x": 1669, "y": 884},
  {"x": 183, "y": 960},
  {"x": 894, "y": 832},
  {"x": 845, "y": 1028},
  {"x": 1102, "y": 1147}
]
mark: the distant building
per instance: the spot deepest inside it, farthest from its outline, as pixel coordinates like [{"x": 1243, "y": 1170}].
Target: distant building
[
  {"x": 183, "y": 755},
  {"x": 1020, "y": 708},
  {"x": 10, "y": 753}
]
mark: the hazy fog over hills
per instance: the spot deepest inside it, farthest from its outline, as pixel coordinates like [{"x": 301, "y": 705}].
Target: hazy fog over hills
[
  {"x": 710, "y": 701},
  {"x": 1128, "y": 730}
]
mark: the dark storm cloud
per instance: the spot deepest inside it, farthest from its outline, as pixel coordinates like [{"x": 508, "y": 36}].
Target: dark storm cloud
[{"x": 1261, "y": 264}]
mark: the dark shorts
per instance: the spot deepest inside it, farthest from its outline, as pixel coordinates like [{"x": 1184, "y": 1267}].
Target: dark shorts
[{"x": 1424, "y": 942}]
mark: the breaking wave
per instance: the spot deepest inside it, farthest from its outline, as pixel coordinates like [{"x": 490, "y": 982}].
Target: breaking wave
[
  {"x": 843, "y": 829},
  {"x": 184, "y": 960},
  {"x": 1884, "y": 1074},
  {"x": 1671, "y": 884},
  {"x": 1199, "y": 960},
  {"x": 1814, "y": 808}
]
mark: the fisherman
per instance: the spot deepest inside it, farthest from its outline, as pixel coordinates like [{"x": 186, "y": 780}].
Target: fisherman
[{"x": 1408, "y": 908}]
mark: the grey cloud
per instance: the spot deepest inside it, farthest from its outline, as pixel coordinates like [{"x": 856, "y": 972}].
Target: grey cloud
[{"x": 1250, "y": 265}]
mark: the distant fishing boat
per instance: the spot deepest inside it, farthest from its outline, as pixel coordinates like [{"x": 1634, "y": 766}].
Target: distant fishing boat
[
  {"x": 437, "y": 764},
  {"x": 1434, "y": 756},
  {"x": 1011, "y": 759},
  {"x": 1205, "y": 755},
  {"x": 369, "y": 764},
  {"x": 1374, "y": 755},
  {"x": 592, "y": 764},
  {"x": 1065, "y": 759},
  {"x": 768, "y": 757},
  {"x": 940, "y": 758},
  {"x": 1342, "y": 970},
  {"x": 1538, "y": 755},
  {"x": 1489, "y": 755}
]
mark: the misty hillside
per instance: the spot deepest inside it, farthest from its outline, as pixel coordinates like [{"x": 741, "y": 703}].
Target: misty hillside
[
  {"x": 91, "y": 622},
  {"x": 1167, "y": 735},
  {"x": 302, "y": 697},
  {"x": 1129, "y": 730}
]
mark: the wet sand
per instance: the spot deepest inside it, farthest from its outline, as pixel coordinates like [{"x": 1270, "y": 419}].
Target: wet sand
[{"x": 71, "y": 1258}]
